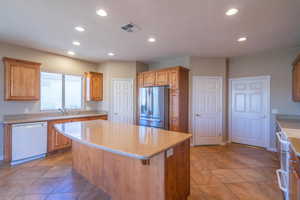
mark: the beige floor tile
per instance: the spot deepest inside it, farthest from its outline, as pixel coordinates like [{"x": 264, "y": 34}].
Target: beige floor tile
[
  {"x": 42, "y": 186},
  {"x": 63, "y": 196},
  {"x": 251, "y": 175},
  {"x": 218, "y": 192},
  {"x": 228, "y": 176},
  {"x": 97, "y": 195},
  {"x": 254, "y": 191},
  {"x": 58, "y": 171},
  {"x": 196, "y": 194},
  {"x": 31, "y": 197},
  {"x": 204, "y": 177}
]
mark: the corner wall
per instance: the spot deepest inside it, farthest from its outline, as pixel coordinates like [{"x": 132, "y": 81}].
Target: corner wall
[
  {"x": 119, "y": 69},
  {"x": 209, "y": 67}
]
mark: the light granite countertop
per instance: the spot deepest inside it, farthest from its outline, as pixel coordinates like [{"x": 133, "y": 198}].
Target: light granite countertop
[
  {"x": 37, "y": 117},
  {"x": 124, "y": 139},
  {"x": 290, "y": 125}
]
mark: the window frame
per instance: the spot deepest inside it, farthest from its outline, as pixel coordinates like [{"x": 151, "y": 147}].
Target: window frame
[{"x": 63, "y": 93}]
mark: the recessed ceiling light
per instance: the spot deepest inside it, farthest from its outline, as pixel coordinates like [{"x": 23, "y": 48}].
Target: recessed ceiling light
[
  {"x": 79, "y": 28},
  {"x": 101, "y": 13},
  {"x": 111, "y": 54},
  {"x": 232, "y": 11},
  {"x": 76, "y": 43},
  {"x": 72, "y": 53},
  {"x": 151, "y": 39},
  {"x": 242, "y": 39}
]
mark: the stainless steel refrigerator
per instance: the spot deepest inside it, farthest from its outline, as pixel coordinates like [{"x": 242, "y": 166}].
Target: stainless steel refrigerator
[{"x": 154, "y": 107}]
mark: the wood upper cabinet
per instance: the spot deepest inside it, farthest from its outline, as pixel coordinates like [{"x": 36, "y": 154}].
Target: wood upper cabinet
[
  {"x": 162, "y": 77},
  {"x": 140, "y": 80},
  {"x": 22, "y": 80},
  {"x": 57, "y": 141},
  {"x": 296, "y": 80},
  {"x": 149, "y": 78},
  {"x": 94, "y": 86},
  {"x": 174, "y": 78}
]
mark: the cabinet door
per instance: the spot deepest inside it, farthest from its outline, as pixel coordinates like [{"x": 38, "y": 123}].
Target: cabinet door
[
  {"x": 296, "y": 82},
  {"x": 94, "y": 86},
  {"x": 174, "y": 79},
  {"x": 174, "y": 110},
  {"x": 56, "y": 140},
  {"x": 148, "y": 79},
  {"x": 140, "y": 80},
  {"x": 294, "y": 191},
  {"x": 22, "y": 80},
  {"x": 97, "y": 87},
  {"x": 162, "y": 78}
]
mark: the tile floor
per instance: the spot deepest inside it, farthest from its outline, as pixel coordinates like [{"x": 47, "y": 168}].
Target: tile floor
[{"x": 232, "y": 172}]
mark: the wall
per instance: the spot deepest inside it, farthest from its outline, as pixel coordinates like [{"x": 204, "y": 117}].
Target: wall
[
  {"x": 50, "y": 63},
  {"x": 169, "y": 62},
  {"x": 277, "y": 64},
  {"x": 119, "y": 69},
  {"x": 209, "y": 67}
]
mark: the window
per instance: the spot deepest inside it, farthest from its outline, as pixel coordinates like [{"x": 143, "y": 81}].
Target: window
[{"x": 59, "y": 91}]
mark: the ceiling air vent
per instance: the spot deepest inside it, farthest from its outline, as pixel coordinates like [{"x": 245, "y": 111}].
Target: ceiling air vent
[{"x": 130, "y": 28}]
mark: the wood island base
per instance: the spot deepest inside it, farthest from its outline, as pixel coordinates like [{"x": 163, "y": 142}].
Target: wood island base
[{"x": 165, "y": 176}]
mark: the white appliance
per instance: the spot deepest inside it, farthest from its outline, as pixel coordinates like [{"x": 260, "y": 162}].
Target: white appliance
[
  {"x": 29, "y": 142},
  {"x": 283, "y": 146}
]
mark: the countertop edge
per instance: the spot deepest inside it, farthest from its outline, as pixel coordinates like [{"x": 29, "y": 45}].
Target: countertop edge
[
  {"x": 51, "y": 118},
  {"x": 278, "y": 122},
  {"x": 121, "y": 152}
]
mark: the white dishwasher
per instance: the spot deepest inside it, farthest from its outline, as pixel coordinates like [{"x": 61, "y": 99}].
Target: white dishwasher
[{"x": 29, "y": 142}]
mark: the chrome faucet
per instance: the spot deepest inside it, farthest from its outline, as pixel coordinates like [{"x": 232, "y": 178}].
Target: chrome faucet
[{"x": 63, "y": 111}]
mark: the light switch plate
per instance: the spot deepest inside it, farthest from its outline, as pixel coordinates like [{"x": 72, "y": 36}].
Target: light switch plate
[{"x": 170, "y": 152}]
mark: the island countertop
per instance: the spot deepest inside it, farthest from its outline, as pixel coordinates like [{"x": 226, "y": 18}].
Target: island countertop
[{"x": 123, "y": 139}]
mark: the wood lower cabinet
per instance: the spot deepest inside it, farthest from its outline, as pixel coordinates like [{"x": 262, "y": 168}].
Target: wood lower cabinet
[
  {"x": 22, "y": 80},
  {"x": 57, "y": 141},
  {"x": 294, "y": 177},
  {"x": 177, "y": 78}
]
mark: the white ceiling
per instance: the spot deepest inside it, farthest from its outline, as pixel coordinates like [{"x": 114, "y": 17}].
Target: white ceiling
[{"x": 181, "y": 27}]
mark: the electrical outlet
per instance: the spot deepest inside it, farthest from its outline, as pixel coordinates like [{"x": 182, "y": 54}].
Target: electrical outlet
[{"x": 170, "y": 152}]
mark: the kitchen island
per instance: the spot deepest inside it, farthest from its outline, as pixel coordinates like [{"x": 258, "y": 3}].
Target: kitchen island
[{"x": 131, "y": 162}]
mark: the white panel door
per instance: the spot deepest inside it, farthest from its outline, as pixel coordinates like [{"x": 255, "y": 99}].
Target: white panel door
[
  {"x": 207, "y": 110},
  {"x": 249, "y": 122},
  {"x": 122, "y": 101}
]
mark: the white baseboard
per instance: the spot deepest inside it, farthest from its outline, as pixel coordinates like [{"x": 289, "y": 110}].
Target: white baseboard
[
  {"x": 272, "y": 149},
  {"x": 224, "y": 143}
]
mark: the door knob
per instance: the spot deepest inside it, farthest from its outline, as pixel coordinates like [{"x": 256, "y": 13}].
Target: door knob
[
  {"x": 198, "y": 115},
  {"x": 115, "y": 113}
]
